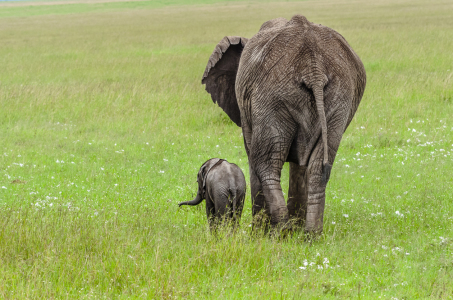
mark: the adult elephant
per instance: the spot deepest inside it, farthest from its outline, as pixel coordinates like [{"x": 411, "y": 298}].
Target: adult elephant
[{"x": 293, "y": 88}]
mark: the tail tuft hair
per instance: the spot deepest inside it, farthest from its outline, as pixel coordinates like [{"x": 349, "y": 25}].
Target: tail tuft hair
[{"x": 326, "y": 172}]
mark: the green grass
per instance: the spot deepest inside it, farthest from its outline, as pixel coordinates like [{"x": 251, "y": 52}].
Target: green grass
[
  {"x": 58, "y": 7},
  {"x": 104, "y": 125}
]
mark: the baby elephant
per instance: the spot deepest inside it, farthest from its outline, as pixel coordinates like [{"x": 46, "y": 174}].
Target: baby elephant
[{"x": 223, "y": 186}]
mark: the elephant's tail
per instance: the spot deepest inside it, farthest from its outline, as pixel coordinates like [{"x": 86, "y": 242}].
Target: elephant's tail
[{"x": 319, "y": 99}]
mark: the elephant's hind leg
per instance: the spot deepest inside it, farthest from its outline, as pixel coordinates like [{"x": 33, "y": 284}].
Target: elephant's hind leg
[
  {"x": 297, "y": 194},
  {"x": 260, "y": 210},
  {"x": 316, "y": 192},
  {"x": 270, "y": 147},
  {"x": 317, "y": 186},
  {"x": 336, "y": 125}
]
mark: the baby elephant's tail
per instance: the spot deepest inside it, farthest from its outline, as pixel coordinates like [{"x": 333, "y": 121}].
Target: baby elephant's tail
[{"x": 195, "y": 201}]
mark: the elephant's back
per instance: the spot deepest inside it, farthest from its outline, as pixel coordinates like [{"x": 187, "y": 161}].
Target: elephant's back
[
  {"x": 284, "y": 53},
  {"x": 225, "y": 177},
  {"x": 300, "y": 42}
]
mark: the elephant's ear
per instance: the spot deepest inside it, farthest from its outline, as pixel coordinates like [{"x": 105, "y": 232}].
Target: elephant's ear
[
  {"x": 201, "y": 180},
  {"x": 220, "y": 75}
]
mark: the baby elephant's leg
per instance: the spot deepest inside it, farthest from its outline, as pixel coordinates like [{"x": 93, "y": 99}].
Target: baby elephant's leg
[
  {"x": 238, "y": 206},
  {"x": 210, "y": 212}
]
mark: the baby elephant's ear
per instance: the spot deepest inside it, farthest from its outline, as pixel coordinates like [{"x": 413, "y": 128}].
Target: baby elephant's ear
[
  {"x": 201, "y": 181},
  {"x": 220, "y": 75}
]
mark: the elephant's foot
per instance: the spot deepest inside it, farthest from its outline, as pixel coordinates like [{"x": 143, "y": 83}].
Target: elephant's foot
[
  {"x": 262, "y": 226},
  {"x": 261, "y": 222},
  {"x": 284, "y": 230},
  {"x": 277, "y": 206},
  {"x": 264, "y": 223},
  {"x": 279, "y": 216}
]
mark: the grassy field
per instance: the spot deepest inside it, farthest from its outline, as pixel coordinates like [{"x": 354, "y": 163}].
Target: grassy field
[{"x": 104, "y": 125}]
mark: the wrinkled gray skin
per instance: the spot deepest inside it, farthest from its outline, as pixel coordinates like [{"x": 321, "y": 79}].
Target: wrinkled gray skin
[
  {"x": 223, "y": 186},
  {"x": 293, "y": 88}
]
